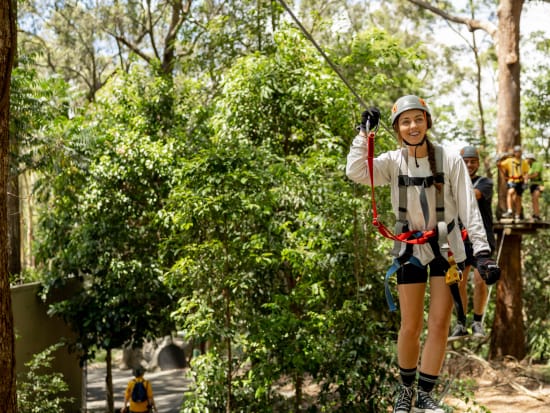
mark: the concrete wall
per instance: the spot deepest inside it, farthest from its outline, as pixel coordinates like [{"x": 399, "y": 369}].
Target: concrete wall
[{"x": 35, "y": 331}]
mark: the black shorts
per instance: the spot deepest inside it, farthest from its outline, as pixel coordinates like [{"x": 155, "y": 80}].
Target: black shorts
[
  {"x": 535, "y": 187},
  {"x": 470, "y": 259},
  {"x": 517, "y": 186},
  {"x": 413, "y": 274}
]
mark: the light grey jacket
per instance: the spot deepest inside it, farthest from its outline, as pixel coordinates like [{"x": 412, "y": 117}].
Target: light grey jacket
[{"x": 459, "y": 196}]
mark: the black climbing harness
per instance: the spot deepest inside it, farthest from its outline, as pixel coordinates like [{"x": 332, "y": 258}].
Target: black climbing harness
[{"x": 437, "y": 239}]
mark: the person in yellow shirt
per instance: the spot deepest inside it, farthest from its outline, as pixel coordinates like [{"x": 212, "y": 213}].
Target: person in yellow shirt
[
  {"x": 140, "y": 398},
  {"x": 516, "y": 172}
]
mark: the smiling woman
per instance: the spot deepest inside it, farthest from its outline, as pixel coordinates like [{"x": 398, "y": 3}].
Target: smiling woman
[
  {"x": 7, "y": 347},
  {"x": 426, "y": 206}
]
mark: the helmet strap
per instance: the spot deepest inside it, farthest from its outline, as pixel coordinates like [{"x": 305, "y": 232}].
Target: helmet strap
[{"x": 416, "y": 145}]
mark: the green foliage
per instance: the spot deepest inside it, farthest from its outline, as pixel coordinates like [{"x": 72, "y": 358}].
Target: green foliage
[
  {"x": 463, "y": 390},
  {"x": 35, "y": 103},
  {"x": 102, "y": 223},
  {"x": 271, "y": 235},
  {"x": 228, "y": 207},
  {"x": 379, "y": 63},
  {"x": 276, "y": 100},
  {"x": 536, "y": 274},
  {"x": 39, "y": 390},
  {"x": 205, "y": 394},
  {"x": 537, "y": 104}
]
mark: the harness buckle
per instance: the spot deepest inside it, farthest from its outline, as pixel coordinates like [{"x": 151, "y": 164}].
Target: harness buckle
[{"x": 442, "y": 233}]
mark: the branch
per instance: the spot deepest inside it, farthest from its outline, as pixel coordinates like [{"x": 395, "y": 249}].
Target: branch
[
  {"x": 180, "y": 12},
  {"x": 150, "y": 29},
  {"x": 472, "y": 24},
  {"x": 134, "y": 48}
]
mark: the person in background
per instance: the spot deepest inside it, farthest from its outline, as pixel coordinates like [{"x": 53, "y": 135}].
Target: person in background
[
  {"x": 515, "y": 170},
  {"x": 139, "y": 406},
  {"x": 483, "y": 192},
  {"x": 417, "y": 185},
  {"x": 535, "y": 184}
]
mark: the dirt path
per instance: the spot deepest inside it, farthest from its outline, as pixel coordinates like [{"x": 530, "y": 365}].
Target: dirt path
[
  {"x": 507, "y": 387},
  {"x": 168, "y": 387},
  {"x": 503, "y": 398}
]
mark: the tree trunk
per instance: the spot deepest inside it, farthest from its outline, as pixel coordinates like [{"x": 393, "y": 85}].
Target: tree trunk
[
  {"x": 508, "y": 101},
  {"x": 8, "y": 46},
  {"x": 14, "y": 206},
  {"x": 508, "y": 331},
  {"x": 26, "y": 210},
  {"x": 14, "y": 224},
  {"x": 299, "y": 384},
  {"x": 229, "y": 380},
  {"x": 508, "y": 336},
  {"x": 109, "y": 381}
]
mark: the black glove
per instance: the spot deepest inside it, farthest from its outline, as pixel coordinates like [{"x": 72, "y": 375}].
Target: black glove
[
  {"x": 372, "y": 114},
  {"x": 487, "y": 267}
]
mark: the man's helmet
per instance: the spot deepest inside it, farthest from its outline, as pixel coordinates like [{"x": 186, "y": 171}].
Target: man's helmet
[
  {"x": 517, "y": 148},
  {"x": 529, "y": 155},
  {"x": 469, "y": 152},
  {"x": 410, "y": 102}
]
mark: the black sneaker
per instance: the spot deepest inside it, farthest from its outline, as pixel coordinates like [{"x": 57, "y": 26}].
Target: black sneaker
[
  {"x": 537, "y": 218},
  {"x": 404, "y": 401},
  {"x": 425, "y": 403},
  {"x": 460, "y": 331}
]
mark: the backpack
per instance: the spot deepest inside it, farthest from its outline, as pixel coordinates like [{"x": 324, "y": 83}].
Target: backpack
[{"x": 139, "y": 392}]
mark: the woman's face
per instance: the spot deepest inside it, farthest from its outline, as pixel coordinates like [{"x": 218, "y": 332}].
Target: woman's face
[{"x": 412, "y": 126}]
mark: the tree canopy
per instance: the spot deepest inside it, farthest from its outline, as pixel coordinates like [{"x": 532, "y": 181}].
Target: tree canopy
[{"x": 187, "y": 166}]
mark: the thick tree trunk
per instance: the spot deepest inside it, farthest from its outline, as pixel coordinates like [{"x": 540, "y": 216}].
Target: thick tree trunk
[
  {"x": 508, "y": 336},
  {"x": 508, "y": 116},
  {"x": 8, "y": 45},
  {"x": 508, "y": 101},
  {"x": 508, "y": 330}
]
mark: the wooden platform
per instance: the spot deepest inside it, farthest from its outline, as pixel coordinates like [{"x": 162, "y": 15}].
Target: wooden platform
[{"x": 522, "y": 227}]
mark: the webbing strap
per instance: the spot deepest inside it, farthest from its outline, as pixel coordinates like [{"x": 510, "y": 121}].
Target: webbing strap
[
  {"x": 460, "y": 315},
  {"x": 409, "y": 237},
  {"x": 396, "y": 264},
  {"x": 439, "y": 199}
]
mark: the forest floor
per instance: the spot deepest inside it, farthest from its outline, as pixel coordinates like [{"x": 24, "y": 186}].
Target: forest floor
[
  {"x": 477, "y": 386},
  {"x": 505, "y": 387}
]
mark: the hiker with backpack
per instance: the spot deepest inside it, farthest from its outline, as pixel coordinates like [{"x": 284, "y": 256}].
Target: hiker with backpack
[
  {"x": 430, "y": 191},
  {"x": 139, "y": 394}
]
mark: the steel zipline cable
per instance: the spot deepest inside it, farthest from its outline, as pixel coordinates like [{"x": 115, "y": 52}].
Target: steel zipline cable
[
  {"x": 327, "y": 59},
  {"x": 321, "y": 51}
]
